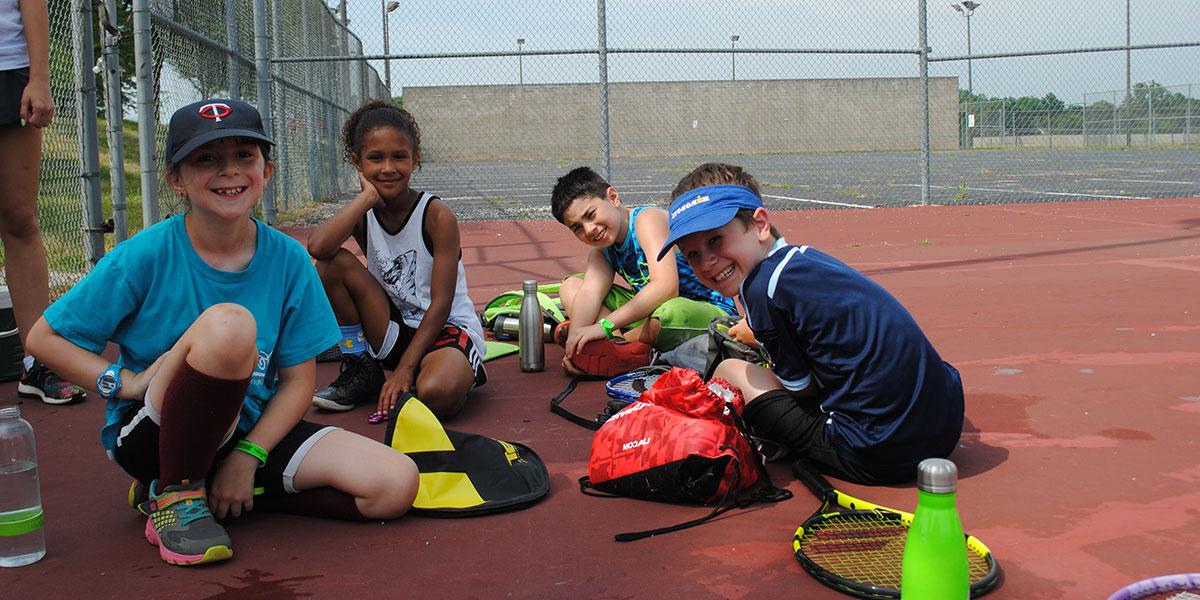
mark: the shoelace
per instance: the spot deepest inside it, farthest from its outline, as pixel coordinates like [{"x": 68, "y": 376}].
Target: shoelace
[
  {"x": 191, "y": 510},
  {"x": 351, "y": 371}
]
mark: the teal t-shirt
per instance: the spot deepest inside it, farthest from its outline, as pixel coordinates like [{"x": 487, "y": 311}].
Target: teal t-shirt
[{"x": 144, "y": 294}]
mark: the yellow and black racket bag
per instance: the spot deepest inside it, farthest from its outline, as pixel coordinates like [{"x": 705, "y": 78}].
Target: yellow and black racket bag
[{"x": 464, "y": 474}]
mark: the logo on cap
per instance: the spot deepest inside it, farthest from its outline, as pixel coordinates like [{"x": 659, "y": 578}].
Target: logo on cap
[
  {"x": 689, "y": 204},
  {"x": 215, "y": 111}
]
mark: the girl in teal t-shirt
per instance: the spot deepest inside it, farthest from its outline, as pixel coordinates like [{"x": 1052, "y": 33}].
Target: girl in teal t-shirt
[{"x": 218, "y": 319}]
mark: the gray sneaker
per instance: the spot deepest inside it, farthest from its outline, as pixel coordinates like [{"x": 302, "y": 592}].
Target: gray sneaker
[
  {"x": 182, "y": 527},
  {"x": 359, "y": 382}
]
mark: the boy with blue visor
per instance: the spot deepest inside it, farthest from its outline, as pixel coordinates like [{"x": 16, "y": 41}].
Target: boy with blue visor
[{"x": 855, "y": 387}]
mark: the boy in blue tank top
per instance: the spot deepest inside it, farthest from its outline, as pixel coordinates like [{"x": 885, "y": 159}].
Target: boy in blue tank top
[
  {"x": 664, "y": 304},
  {"x": 855, "y": 386}
]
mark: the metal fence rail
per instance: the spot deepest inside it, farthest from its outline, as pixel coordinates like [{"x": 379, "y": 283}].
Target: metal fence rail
[{"x": 911, "y": 104}]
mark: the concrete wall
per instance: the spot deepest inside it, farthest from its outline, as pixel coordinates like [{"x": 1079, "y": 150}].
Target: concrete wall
[{"x": 551, "y": 121}]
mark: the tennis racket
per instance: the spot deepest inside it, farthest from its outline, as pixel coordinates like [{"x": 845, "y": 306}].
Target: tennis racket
[
  {"x": 859, "y": 551},
  {"x": 1185, "y": 586},
  {"x": 628, "y": 387}
]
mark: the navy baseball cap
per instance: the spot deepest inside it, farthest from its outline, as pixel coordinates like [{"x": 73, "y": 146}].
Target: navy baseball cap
[
  {"x": 202, "y": 122},
  {"x": 706, "y": 208}
]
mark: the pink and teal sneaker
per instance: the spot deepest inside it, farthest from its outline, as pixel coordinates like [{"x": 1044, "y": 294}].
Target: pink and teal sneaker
[{"x": 183, "y": 528}]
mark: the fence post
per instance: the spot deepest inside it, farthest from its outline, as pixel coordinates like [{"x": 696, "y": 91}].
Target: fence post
[
  {"x": 327, "y": 22},
  {"x": 602, "y": 47},
  {"x": 112, "y": 110},
  {"x": 1150, "y": 114},
  {"x": 1084, "y": 111},
  {"x": 356, "y": 81},
  {"x": 89, "y": 136},
  {"x": 231, "y": 42},
  {"x": 1113, "y": 142},
  {"x": 309, "y": 113},
  {"x": 924, "y": 117},
  {"x": 277, "y": 110},
  {"x": 1187, "y": 123},
  {"x": 262, "y": 71},
  {"x": 147, "y": 123}
]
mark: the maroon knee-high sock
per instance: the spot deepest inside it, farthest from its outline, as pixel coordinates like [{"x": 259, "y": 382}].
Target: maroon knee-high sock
[
  {"x": 318, "y": 502},
  {"x": 197, "y": 410}
]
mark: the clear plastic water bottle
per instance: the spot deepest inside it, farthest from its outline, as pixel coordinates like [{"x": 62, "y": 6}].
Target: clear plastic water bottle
[
  {"x": 935, "y": 554},
  {"x": 532, "y": 336},
  {"x": 22, "y": 540}
]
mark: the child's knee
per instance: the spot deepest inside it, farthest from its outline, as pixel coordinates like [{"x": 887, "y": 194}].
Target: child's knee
[
  {"x": 444, "y": 401},
  {"x": 399, "y": 483},
  {"x": 336, "y": 267},
  {"x": 569, "y": 287},
  {"x": 225, "y": 336}
]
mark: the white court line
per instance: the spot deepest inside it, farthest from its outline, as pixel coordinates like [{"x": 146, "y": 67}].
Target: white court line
[
  {"x": 819, "y": 201},
  {"x": 979, "y": 189},
  {"x": 1143, "y": 181}
]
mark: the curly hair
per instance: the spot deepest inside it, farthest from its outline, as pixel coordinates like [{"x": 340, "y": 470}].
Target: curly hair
[{"x": 372, "y": 115}]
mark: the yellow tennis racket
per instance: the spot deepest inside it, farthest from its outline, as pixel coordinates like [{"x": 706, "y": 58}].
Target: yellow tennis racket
[{"x": 859, "y": 551}]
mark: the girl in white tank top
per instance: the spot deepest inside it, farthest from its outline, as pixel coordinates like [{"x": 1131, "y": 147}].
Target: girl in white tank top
[{"x": 409, "y": 304}]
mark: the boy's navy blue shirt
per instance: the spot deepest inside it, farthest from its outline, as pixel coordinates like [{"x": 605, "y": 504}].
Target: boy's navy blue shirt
[{"x": 889, "y": 399}]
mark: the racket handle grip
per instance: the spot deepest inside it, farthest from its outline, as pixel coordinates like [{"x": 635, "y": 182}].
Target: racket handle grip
[{"x": 808, "y": 474}]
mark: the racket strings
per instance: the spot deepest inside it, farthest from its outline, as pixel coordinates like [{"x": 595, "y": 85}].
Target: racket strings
[
  {"x": 860, "y": 547},
  {"x": 868, "y": 548},
  {"x": 636, "y": 382}
]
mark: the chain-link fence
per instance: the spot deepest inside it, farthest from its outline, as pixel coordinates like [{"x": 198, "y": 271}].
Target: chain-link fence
[
  {"x": 828, "y": 105},
  {"x": 200, "y": 53},
  {"x": 58, "y": 202},
  {"x": 822, "y": 103}
]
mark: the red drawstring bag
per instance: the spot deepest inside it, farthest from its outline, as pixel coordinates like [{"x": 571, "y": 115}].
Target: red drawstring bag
[{"x": 682, "y": 441}]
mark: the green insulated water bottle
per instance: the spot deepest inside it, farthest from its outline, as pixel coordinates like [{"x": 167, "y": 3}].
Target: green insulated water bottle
[{"x": 935, "y": 553}]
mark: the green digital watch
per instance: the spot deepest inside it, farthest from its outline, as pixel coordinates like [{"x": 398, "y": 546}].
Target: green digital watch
[{"x": 607, "y": 327}]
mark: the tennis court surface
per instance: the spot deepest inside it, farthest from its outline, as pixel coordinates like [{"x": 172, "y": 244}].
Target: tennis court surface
[{"x": 1075, "y": 325}]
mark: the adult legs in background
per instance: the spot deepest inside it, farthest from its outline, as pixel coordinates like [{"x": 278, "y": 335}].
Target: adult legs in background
[{"x": 25, "y": 263}]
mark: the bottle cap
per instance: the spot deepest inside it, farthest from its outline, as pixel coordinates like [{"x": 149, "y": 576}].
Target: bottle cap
[
  {"x": 937, "y": 476},
  {"x": 529, "y": 285}
]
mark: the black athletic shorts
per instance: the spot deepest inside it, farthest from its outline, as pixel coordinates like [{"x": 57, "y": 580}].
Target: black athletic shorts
[
  {"x": 137, "y": 451},
  {"x": 12, "y": 85},
  {"x": 399, "y": 336}
]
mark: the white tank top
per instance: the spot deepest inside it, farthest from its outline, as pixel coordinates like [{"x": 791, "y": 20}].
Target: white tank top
[
  {"x": 14, "y": 53},
  {"x": 404, "y": 266}
]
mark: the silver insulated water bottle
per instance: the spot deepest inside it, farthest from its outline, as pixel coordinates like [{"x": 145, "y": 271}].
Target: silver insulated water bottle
[{"x": 531, "y": 336}]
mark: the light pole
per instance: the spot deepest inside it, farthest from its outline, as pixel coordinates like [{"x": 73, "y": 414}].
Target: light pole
[
  {"x": 520, "y": 61},
  {"x": 387, "y": 7},
  {"x": 967, "y": 7},
  {"x": 733, "y": 39}
]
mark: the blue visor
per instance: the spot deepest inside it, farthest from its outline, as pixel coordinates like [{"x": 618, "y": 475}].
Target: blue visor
[{"x": 706, "y": 208}]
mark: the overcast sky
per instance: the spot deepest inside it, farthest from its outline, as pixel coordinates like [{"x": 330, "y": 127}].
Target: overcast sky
[{"x": 440, "y": 26}]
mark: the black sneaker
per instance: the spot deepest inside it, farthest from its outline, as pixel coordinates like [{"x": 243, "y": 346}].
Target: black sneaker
[
  {"x": 41, "y": 382},
  {"x": 359, "y": 382},
  {"x": 330, "y": 354}
]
